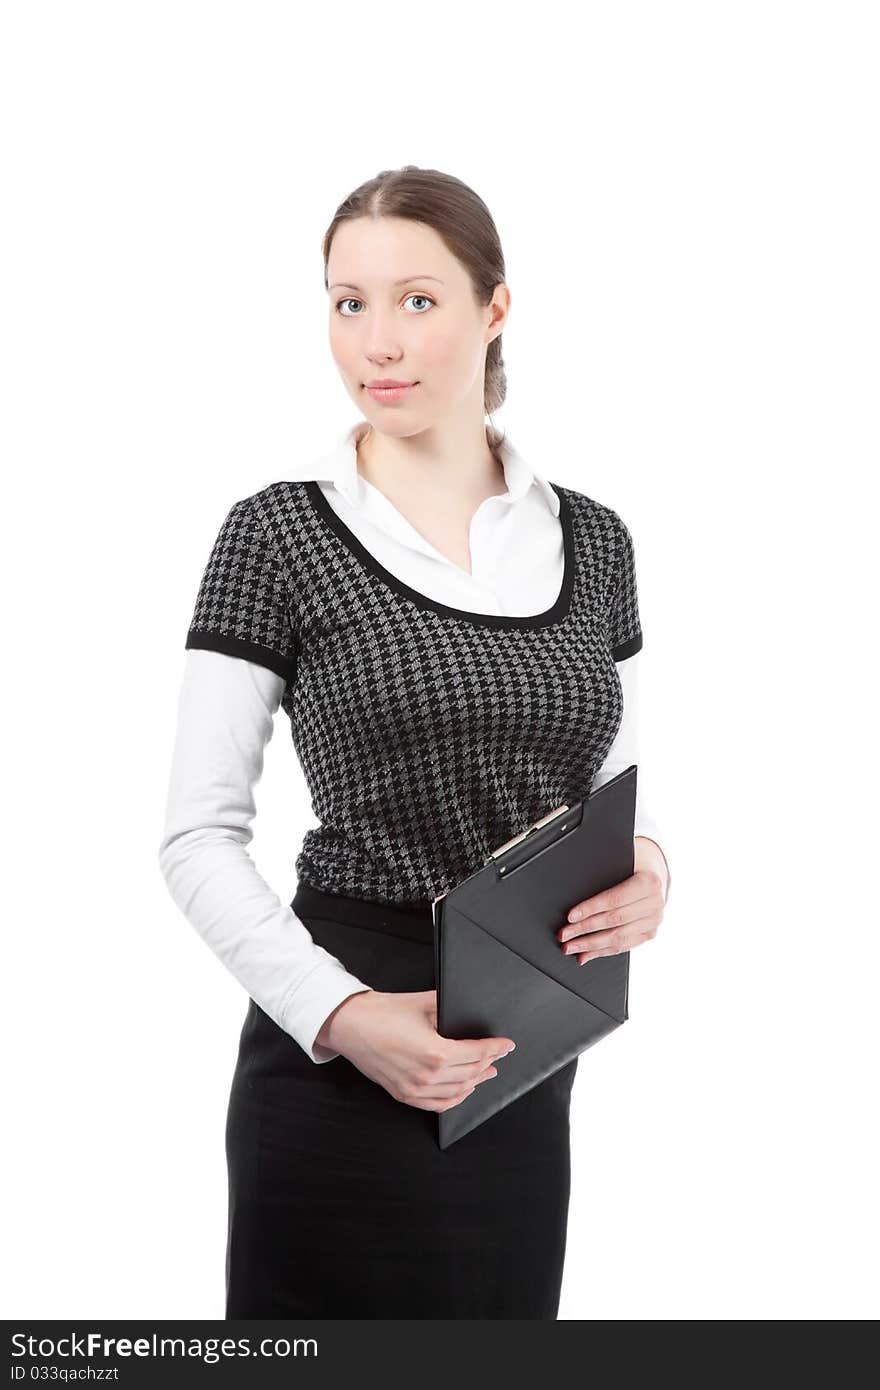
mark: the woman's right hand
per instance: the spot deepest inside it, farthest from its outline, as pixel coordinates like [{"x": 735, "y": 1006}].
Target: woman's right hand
[{"x": 392, "y": 1038}]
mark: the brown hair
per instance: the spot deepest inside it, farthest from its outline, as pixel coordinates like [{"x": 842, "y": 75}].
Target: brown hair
[{"x": 461, "y": 218}]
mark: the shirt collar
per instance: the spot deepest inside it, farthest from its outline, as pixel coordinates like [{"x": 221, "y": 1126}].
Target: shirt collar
[{"x": 339, "y": 466}]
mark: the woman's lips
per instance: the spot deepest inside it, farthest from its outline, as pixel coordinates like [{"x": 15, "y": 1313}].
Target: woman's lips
[{"x": 387, "y": 394}]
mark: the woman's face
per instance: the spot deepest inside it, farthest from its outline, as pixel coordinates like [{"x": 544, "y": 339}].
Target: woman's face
[{"x": 429, "y": 331}]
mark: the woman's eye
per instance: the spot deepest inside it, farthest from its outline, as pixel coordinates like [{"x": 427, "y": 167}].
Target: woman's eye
[{"x": 350, "y": 300}]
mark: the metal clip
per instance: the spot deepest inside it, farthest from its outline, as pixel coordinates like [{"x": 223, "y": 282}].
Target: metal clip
[{"x": 551, "y": 815}]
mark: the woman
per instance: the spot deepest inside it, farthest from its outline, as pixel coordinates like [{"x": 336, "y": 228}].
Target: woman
[{"x": 453, "y": 639}]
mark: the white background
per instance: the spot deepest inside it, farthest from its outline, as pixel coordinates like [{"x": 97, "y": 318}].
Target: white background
[{"x": 687, "y": 199}]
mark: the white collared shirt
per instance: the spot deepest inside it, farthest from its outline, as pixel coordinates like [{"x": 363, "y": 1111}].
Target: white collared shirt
[
  {"x": 517, "y": 555},
  {"x": 226, "y": 713}
]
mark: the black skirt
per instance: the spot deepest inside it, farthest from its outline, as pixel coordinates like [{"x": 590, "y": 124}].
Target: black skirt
[{"x": 342, "y": 1204}]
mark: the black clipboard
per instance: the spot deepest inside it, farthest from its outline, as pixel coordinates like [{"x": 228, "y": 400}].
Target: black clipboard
[{"x": 499, "y": 968}]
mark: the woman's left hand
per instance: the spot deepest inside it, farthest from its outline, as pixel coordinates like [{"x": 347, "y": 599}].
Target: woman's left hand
[{"x": 623, "y": 916}]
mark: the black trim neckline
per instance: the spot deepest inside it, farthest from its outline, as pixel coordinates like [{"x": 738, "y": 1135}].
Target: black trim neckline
[{"x": 554, "y": 614}]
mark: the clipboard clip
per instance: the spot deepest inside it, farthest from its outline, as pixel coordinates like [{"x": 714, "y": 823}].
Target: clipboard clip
[
  {"x": 538, "y": 825},
  {"x": 517, "y": 839}
]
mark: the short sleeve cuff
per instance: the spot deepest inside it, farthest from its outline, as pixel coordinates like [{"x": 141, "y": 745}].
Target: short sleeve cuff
[
  {"x": 239, "y": 646},
  {"x": 627, "y": 648}
]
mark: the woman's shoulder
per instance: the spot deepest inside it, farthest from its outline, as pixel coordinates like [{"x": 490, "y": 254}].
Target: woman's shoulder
[
  {"x": 279, "y": 508},
  {"x": 594, "y": 513},
  {"x": 283, "y": 492}
]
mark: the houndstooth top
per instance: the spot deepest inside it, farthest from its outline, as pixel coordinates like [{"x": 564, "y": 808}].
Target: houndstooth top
[{"x": 427, "y": 735}]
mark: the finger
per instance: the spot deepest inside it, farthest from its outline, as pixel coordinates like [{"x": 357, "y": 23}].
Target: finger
[
  {"x": 636, "y": 888},
  {"x": 619, "y": 939},
  {"x": 442, "y": 1090},
  {"x": 626, "y": 910},
  {"x": 442, "y": 1105},
  {"x": 585, "y": 937},
  {"x": 592, "y": 941},
  {"x": 627, "y": 943},
  {"x": 466, "y": 1052},
  {"x": 605, "y": 901}
]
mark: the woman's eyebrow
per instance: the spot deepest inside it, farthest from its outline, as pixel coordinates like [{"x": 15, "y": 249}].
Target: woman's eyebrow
[{"x": 341, "y": 285}]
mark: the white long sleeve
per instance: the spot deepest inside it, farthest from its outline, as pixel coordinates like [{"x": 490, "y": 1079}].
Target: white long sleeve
[
  {"x": 226, "y": 714},
  {"x": 624, "y": 751}
]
